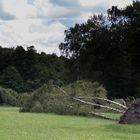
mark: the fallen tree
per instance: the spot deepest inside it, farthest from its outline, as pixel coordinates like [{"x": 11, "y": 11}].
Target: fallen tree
[
  {"x": 80, "y": 99},
  {"x": 71, "y": 100},
  {"x": 130, "y": 115},
  {"x": 50, "y": 98},
  {"x": 102, "y": 116},
  {"x": 107, "y": 100},
  {"x": 98, "y": 105}
]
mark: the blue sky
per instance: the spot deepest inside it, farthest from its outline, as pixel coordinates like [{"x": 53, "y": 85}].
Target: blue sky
[{"x": 42, "y": 22}]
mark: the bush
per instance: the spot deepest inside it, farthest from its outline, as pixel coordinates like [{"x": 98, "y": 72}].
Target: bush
[
  {"x": 37, "y": 107},
  {"x": 86, "y": 88},
  {"x": 8, "y": 97},
  {"x": 49, "y": 98},
  {"x": 22, "y": 98}
]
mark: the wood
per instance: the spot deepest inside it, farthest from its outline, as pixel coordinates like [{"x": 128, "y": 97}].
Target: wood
[
  {"x": 103, "y": 99},
  {"x": 94, "y": 104},
  {"x": 102, "y": 116}
]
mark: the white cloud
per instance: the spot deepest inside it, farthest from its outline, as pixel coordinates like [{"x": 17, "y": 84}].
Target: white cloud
[
  {"x": 32, "y": 32},
  {"x": 19, "y": 8},
  {"x": 94, "y": 3},
  {"x": 46, "y": 9}
]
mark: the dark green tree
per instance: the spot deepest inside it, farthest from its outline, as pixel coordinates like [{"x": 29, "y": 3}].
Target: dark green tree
[
  {"x": 106, "y": 49},
  {"x": 11, "y": 78}
]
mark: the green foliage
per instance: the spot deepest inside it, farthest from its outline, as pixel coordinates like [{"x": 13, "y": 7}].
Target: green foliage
[
  {"x": 21, "y": 98},
  {"x": 86, "y": 88},
  {"x": 37, "y": 107},
  {"x": 49, "y": 98},
  {"x": 8, "y": 97},
  {"x": 26, "y": 70},
  {"x": 11, "y": 78}
]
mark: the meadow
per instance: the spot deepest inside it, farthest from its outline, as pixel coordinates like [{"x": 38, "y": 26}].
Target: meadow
[{"x": 39, "y": 126}]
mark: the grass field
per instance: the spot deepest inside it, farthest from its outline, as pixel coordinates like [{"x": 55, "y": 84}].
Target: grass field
[{"x": 31, "y": 126}]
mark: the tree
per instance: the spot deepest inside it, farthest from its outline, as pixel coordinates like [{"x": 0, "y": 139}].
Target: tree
[
  {"x": 26, "y": 70},
  {"x": 106, "y": 48},
  {"x": 11, "y": 78}
]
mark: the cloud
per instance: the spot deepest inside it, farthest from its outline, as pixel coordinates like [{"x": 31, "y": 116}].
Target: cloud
[
  {"x": 3, "y": 14},
  {"x": 50, "y": 8},
  {"x": 55, "y": 9},
  {"x": 66, "y": 3},
  {"x": 30, "y": 1},
  {"x": 20, "y": 9},
  {"x": 42, "y": 22},
  {"x": 95, "y": 3},
  {"x": 92, "y": 3},
  {"x": 23, "y": 9},
  {"x": 32, "y": 32}
]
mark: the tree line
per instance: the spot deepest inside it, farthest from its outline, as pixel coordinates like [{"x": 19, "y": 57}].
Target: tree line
[{"x": 26, "y": 70}]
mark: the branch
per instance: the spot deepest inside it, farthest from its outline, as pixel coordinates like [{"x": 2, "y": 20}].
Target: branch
[
  {"x": 102, "y": 106},
  {"x": 93, "y": 104},
  {"x": 61, "y": 89},
  {"x": 103, "y": 99},
  {"x": 102, "y": 116}
]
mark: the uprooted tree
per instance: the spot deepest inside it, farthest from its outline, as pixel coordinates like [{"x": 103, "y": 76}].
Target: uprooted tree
[
  {"x": 130, "y": 115},
  {"x": 93, "y": 101},
  {"x": 79, "y": 98},
  {"x": 51, "y": 98}
]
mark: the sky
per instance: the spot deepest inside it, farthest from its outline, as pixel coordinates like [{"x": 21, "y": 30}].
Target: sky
[{"x": 42, "y": 22}]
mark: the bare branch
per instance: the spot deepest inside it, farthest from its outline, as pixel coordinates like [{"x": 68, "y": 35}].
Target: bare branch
[
  {"x": 93, "y": 104},
  {"x": 102, "y": 116},
  {"x": 102, "y": 106},
  {"x": 103, "y": 99}
]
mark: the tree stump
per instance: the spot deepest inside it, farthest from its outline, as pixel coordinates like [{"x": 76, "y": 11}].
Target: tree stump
[{"x": 132, "y": 114}]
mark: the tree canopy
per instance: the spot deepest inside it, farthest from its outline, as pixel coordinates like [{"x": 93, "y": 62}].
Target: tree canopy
[{"x": 26, "y": 70}]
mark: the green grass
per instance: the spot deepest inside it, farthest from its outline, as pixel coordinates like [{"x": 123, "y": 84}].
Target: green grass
[{"x": 32, "y": 126}]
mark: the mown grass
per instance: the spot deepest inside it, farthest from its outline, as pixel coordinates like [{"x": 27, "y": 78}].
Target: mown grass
[{"x": 33, "y": 126}]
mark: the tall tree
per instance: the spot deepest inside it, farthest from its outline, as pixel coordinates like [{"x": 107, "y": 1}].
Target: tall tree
[{"x": 106, "y": 48}]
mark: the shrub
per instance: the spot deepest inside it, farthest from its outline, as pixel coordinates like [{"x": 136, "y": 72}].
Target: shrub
[
  {"x": 86, "y": 88},
  {"x": 22, "y": 98},
  {"x": 8, "y": 97},
  {"x": 49, "y": 98},
  {"x": 37, "y": 107}
]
